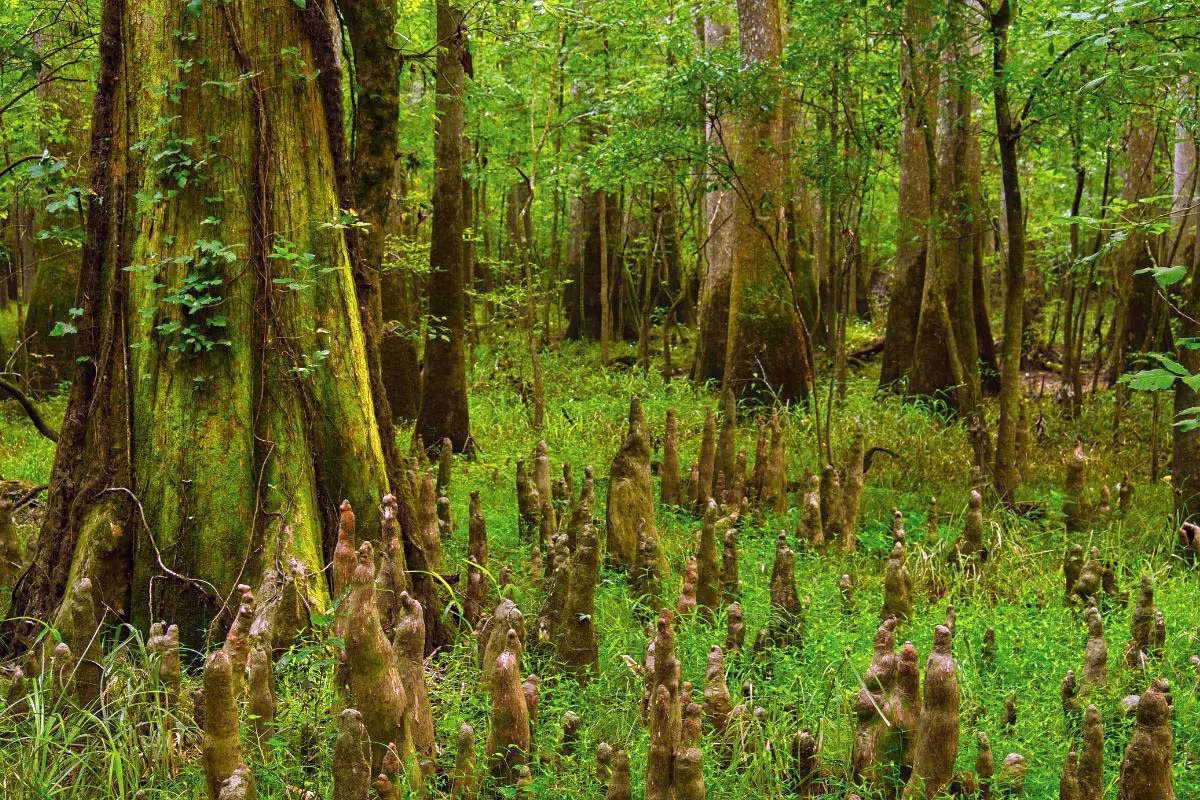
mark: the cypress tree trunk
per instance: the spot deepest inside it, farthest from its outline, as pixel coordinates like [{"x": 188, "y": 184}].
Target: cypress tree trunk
[
  {"x": 1185, "y": 454},
  {"x": 1185, "y": 467},
  {"x": 980, "y": 227},
  {"x": 443, "y": 411},
  {"x": 915, "y": 202},
  {"x": 1135, "y": 293},
  {"x": 377, "y": 172},
  {"x": 203, "y": 440},
  {"x": 945, "y": 361},
  {"x": 767, "y": 350},
  {"x": 582, "y": 295}
]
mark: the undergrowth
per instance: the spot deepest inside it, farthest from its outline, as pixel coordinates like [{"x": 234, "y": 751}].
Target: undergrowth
[{"x": 130, "y": 743}]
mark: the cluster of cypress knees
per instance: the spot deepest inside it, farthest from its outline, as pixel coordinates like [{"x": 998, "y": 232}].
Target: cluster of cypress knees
[{"x": 907, "y": 736}]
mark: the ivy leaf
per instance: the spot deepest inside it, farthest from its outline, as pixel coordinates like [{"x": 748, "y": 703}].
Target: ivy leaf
[{"x": 63, "y": 329}]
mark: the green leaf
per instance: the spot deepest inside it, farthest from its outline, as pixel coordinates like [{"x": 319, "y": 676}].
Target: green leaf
[
  {"x": 1150, "y": 380},
  {"x": 1170, "y": 363},
  {"x": 1165, "y": 276},
  {"x": 193, "y": 7},
  {"x": 301, "y": 4},
  {"x": 63, "y": 329}
]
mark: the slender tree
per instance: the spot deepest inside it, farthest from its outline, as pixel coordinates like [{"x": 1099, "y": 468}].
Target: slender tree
[
  {"x": 1009, "y": 127},
  {"x": 444, "y": 411},
  {"x": 378, "y": 172},
  {"x": 57, "y": 214},
  {"x": 716, "y": 226}
]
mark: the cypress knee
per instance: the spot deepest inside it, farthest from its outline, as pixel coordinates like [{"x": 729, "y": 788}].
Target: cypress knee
[
  {"x": 372, "y": 678},
  {"x": 620, "y": 785},
  {"x": 1146, "y": 768},
  {"x": 261, "y": 692},
  {"x": 938, "y": 729},
  {"x": 1091, "y": 757},
  {"x": 462, "y": 778},
  {"x": 409, "y": 647},
  {"x": 897, "y": 586},
  {"x": 630, "y": 508},
  {"x": 222, "y": 742},
  {"x": 670, "y": 490},
  {"x": 509, "y": 740},
  {"x": 351, "y": 765}
]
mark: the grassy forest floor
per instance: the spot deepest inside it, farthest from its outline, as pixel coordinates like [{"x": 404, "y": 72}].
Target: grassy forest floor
[{"x": 1018, "y": 591}]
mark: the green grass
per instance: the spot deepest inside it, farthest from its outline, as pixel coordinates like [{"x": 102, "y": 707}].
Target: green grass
[{"x": 1018, "y": 592}]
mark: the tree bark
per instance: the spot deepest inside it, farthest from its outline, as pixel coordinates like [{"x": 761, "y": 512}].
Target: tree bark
[
  {"x": 183, "y": 472},
  {"x": 444, "y": 411},
  {"x": 1185, "y": 468},
  {"x": 1135, "y": 293},
  {"x": 1007, "y": 472},
  {"x": 917, "y": 111},
  {"x": 945, "y": 361},
  {"x": 767, "y": 352},
  {"x": 717, "y": 231},
  {"x": 378, "y": 171},
  {"x": 582, "y": 295}
]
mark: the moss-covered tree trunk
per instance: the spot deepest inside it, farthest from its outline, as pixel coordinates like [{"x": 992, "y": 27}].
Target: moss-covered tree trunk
[
  {"x": 225, "y": 405},
  {"x": 443, "y": 411},
  {"x": 767, "y": 352},
  {"x": 377, "y": 173}
]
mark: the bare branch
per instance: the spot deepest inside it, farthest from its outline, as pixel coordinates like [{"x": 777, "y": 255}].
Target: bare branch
[{"x": 35, "y": 416}]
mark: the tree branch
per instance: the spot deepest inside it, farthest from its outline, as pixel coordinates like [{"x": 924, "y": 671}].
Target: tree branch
[{"x": 35, "y": 416}]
